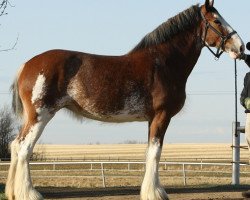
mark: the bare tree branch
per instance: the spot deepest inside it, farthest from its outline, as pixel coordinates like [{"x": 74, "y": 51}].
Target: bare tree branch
[
  {"x": 10, "y": 4},
  {"x": 13, "y": 46},
  {"x": 3, "y": 6}
]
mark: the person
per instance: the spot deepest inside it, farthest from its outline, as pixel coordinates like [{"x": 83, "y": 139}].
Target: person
[{"x": 245, "y": 102}]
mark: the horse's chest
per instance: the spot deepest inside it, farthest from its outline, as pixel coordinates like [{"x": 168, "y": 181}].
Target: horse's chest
[{"x": 176, "y": 101}]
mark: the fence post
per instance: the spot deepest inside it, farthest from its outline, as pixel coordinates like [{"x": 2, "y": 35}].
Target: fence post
[
  {"x": 236, "y": 154},
  {"x": 103, "y": 176},
  {"x": 184, "y": 174}
]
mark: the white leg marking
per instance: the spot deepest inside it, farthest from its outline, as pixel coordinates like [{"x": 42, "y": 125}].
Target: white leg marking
[
  {"x": 9, "y": 189},
  {"x": 23, "y": 187},
  {"x": 38, "y": 89},
  {"x": 151, "y": 188}
]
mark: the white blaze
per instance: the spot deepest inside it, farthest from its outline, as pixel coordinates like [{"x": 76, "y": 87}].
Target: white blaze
[{"x": 237, "y": 41}]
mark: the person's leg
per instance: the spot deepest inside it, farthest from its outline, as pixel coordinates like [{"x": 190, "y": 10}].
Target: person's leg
[
  {"x": 247, "y": 136},
  {"x": 247, "y": 131}
]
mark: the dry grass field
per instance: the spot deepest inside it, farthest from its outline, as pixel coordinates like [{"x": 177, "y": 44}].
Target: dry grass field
[
  {"x": 171, "y": 152},
  {"x": 80, "y": 176}
]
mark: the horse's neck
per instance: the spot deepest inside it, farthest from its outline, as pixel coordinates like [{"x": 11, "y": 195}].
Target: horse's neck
[{"x": 183, "y": 52}]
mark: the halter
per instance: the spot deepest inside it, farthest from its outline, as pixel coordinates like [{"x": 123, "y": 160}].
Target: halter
[{"x": 222, "y": 37}]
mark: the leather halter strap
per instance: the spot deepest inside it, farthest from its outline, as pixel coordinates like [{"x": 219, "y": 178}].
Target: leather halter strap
[{"x": 219, "y": 51}]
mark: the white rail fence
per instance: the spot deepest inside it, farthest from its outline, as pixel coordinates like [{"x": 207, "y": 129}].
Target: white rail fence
[{"x": 54, "y": 166}]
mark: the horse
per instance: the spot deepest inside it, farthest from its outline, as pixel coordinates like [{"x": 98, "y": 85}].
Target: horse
[{"x": 146, "y": 84}]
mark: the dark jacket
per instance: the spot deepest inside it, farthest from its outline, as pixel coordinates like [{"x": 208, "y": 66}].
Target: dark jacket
[{"x": 246, "y": 91}]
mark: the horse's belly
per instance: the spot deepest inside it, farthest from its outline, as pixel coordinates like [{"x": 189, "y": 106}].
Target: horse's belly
[
  {"x": 125, "y": 117},
  {"x": 118, "y": 117},
  {"x": 127, "y": 114}
]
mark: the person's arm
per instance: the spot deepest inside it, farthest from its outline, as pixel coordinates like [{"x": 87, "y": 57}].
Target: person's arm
[
  {"x": 243, "y": 95},
  {"x": 247, "y": 60}
]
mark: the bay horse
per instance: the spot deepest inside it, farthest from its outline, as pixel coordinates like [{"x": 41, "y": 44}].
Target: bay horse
[{"x": 146, "y": 84}]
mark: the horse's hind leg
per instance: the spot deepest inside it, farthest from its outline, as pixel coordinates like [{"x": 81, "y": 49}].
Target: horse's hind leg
[
  {"x": 22, "y": 147},
  {"x": 9, "y": 189}
]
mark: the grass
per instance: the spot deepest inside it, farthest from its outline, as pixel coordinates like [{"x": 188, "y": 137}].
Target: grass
[{"x": 2, "y": 196}]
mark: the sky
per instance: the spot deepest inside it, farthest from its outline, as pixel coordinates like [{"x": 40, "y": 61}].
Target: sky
[{"x": 113, "y": 27}]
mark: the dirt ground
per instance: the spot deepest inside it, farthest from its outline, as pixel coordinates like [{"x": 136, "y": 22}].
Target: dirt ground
[{"x": 132, "y": 193}]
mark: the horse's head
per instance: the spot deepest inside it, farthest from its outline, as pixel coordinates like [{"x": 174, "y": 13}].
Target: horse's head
[{"x": 216, "y": 32}]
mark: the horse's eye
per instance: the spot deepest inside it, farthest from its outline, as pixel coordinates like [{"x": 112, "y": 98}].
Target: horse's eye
[{"x": 217, "y": 22}]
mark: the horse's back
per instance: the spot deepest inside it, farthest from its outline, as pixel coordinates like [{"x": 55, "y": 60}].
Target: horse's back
[{"x": 106, "y": 88}]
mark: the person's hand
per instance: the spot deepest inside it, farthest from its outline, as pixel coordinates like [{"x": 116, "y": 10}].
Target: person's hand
[{"x": 245, "y": 56}]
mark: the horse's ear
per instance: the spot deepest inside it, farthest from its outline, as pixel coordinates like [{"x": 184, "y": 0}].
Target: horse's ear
[{"x": 209, "y": 4}]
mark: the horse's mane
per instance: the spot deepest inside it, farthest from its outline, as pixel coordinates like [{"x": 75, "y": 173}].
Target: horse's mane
[{"x": 181, "y": 22}]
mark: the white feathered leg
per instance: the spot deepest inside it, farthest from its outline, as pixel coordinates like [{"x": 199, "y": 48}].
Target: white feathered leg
[
  {"x": 23, "y": 188},
  {"x": 9, "y": 189},
  {"x": 151, "y": 188}
]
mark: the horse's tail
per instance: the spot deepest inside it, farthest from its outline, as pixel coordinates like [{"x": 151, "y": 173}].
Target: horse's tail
[{"x": 17, "y": 104}]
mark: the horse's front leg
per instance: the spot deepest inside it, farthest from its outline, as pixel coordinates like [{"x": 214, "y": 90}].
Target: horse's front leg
[{"x": 151, "y": 188}]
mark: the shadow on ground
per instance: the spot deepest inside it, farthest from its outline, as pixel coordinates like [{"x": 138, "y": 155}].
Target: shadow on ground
[
  {"x": 68, "y": 192},
  {"x": 2, "y": 186}
]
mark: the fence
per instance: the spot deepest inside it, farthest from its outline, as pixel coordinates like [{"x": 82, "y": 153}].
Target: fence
[
  {"x": 102, "y": 169},
  {"x": 236, "y": 164},
  {"x": 236, "y": 131}
]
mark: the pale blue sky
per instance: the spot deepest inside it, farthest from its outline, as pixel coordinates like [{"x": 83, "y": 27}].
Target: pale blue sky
[{"x": 113, "y": 27}]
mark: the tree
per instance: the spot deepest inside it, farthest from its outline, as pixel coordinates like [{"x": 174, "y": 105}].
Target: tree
[
  {"x": 3, "y": 6},
  {"x": 7, "y": 128}
]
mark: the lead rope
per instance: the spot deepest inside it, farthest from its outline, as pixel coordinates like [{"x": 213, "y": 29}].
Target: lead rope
[{"x": 236, "y": 107}]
